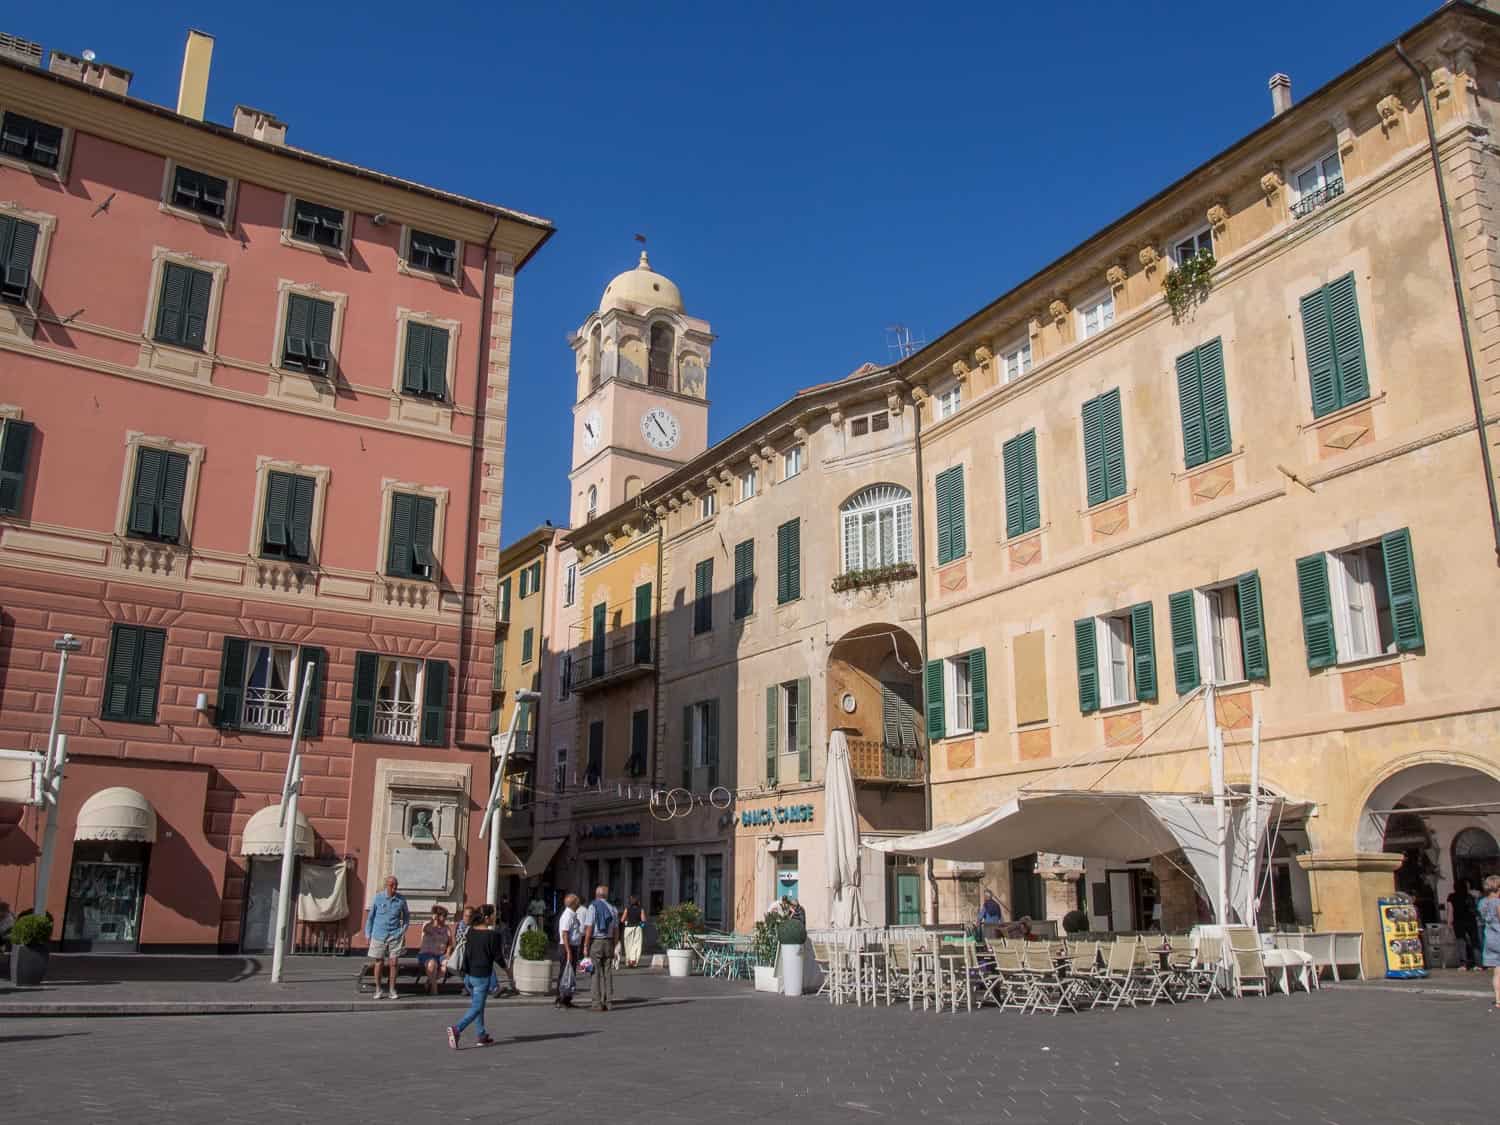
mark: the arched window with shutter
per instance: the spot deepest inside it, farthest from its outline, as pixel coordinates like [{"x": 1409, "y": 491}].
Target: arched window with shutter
[
  {"x": 877, "y": 527},
  {"x": 659, "y": 363}
]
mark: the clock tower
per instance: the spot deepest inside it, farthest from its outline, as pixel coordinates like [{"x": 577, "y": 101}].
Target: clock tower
[{"x": 642, "y": 404}]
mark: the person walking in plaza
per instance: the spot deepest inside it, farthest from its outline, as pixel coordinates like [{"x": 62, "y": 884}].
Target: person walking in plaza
[
  {"x": 1489, "y": 925},
  {"x": 600, "y": 929},
  {"x": 990, "y": 913},
  {"x": 437, "y": 943},
  {"x": 569, "y": 938},
  {"x": 1464, "y": 919},
  {"x": 385, "y": 929},
  {"x": 635, "y": 931},
  {"x": 481, "y": 951}
]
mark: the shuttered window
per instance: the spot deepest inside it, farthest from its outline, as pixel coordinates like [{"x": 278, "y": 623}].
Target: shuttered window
[
  {"x": 1218, "y": 634},
  {"x": 18, "y": 240},
  {"x": 425, "y": 371},
  {"x": 1204, "y": 403},
  {"x": 434, "y": 703},
  {"x": 1116, "y": 658},
  {"x": 952, "y": 537},
  {"x": 1317, "y": 611},
  {"x": 643, "y": 623},
  {"x": 1023, "y": 506},
  {"x": 773, "y": 727},
  {"x": 744, "y": 579},
  {"x": 182, "y": 311},
  {"x": 933, "y": 693},
  {"x": 593, "y": 770},
  {"x": 703, "y": 596},
  {"x": 200, "y": 193},
  {"x": 528, "y": 642},
  {"x": 322, "y": 226},
  {"x": 1361, "y": 602},
  {"x": 132, "y": 678},
  {"x": 409, "y": 554},
  {"x": 596, "y": 641},
  {"x": 15, "y": 452},
  {"x": 505, "y": 600},
  {"x": 1335, "y": 345},
  {"x": 640, "y": 741},
  {"x": 898, "y": 715},
  {"x": 156, "y": 495},
  {"x": 31, "y": 140},
  {"x": 801, "y": 709},
  {"x": 789, "y": 562},
  {"x": 1104, "y": 447},
  {"x": 433, "y": 253},
  {"x": 308, "y": 340},
  {"x": 287, "y": 530}
]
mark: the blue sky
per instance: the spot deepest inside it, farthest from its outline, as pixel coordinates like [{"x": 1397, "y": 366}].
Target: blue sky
[{"x": 807, "y": 173}]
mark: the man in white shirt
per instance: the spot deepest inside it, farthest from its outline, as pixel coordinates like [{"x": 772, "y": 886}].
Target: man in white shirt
[{"x": 569, "y": 937}]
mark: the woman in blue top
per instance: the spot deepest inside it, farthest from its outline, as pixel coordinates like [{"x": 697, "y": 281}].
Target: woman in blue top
[{"x": 1489, "y": 925}]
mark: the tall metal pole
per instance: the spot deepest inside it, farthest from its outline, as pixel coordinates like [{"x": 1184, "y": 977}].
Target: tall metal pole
[
  {"x": 494, "y": 819},
  {"x": 1216, "y": 776},
  {"x": 1252, "y": 882},
  {"x": 52, "y": 778},
  {"x": 290, "y": 789}
]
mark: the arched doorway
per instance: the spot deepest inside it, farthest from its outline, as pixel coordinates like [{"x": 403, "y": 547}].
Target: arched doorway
[{"x": 1475, "y": 855}]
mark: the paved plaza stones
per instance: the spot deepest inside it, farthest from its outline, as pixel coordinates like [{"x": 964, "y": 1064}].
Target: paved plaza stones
[{"x": 696, "y": 1050}]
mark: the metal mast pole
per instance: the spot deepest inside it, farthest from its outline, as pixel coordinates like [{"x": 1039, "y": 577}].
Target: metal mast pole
[
  {"x": 494, "y": 818},
  {"x": 1252, "y": 883},
  {"x": 290, "y": 789},
  {"x": 52, "y": 774}
]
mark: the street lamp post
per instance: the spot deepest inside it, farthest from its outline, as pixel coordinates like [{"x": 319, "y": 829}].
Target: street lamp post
[
  {"x": 291, "y": 788},
  {"x": 494, "y": 811},
  {"x": 52, "y": 771}
]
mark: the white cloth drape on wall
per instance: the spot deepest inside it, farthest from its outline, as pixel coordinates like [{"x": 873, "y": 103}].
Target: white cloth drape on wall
[{"x": 322, "y": 892}]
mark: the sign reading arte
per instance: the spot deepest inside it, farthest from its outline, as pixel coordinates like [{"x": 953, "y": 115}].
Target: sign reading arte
[
  {"x": 781, "y": 814},
  {"x": 608, "y": 831}
]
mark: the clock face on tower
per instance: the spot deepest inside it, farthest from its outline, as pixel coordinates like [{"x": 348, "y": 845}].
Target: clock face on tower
[
  {"x": 593, "y": 430},
  {"x": 660, "y": 428}
]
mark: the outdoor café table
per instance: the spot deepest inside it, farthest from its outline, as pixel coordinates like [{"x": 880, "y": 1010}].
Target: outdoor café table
[
  {"x": 868, "y": 964},
  {"x": 1282, "y": 963},
  {"x": 716, "y": 956}
]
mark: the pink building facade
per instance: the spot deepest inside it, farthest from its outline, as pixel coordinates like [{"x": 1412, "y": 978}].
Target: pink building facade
[{"x": 253, "y": 406}]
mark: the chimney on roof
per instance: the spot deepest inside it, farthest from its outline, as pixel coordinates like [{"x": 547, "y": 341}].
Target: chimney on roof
[
  {"x": 192, "y": 91},
  {"x": 20, "y": 50},
  {"x": 259, "y": 124},
  {"x": 1281, "y": 94},
  {"x": 90, "y": 71}
]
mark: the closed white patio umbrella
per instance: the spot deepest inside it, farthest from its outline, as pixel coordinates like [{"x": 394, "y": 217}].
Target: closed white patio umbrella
[{"x": 841, "y": 836}]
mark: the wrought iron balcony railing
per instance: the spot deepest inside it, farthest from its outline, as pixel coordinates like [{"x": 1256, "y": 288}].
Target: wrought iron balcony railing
[
  {"x": 1312, "y": 200},
  {"x": 611, "y": 658},
  {"x": 874, "y": 759}
]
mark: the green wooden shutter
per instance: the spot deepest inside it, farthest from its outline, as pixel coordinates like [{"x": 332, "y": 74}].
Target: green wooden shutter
[
  {"x": 171, "y": 310},
  {"x": 119, "y": 680},
  {"x": 317, "y": 658},
  {"x": 414, "y": 369},
  {"x": 1093, "y": 451},
  {"x": 1114, "y": 445},
  {"x": 303, "y": 491},
  {"x": 148, "y": 675},
  {"x": 1143, "y": 638},
  {"x": 703, "y": 586},
  {"x": 1317, "y": 611},
  {"x": 594, "y": 768},
  {"x": 1252, "y": 627},
  {"x": 1401, "y": 586},
  {"x": 788, "y": 562},
  {"x": 505, "y": 599},
  {"x": 934, "y": 700},
  {"x": 424, "y": 518},
  {"x": 435, "y": 703},
  {"x": 320, "y": 333},
  {"x": 640, "y": 733},
  {"x": 1086, "y": 643},
  {"x": 362, "y": 706},
  {"x": 437, "y": 362},
  {"x": 231, "y": 701},
  {"x": 173, "y": 486},
  {"x": 596, "y": 641},
  {"x": 744, "y": 579},
  {"x": 1190, "y": 405},
  {"x": 298, "y": 333},
  {"x": 687, "y": 747},
  {"x": 942, "y": 506},
  {"x": 1184, "y": 641},
  {"x": 773, "y": 719},
  {"x": 146, "y": 491},
  {"x": 643, "y": 623},
  {"x": 398, "y": 559},
  {"x": 711, "y": 740},
  {"x": 1348, "y": 341},
  {"x": 195, "y": 312},
  {"x": 15, "y": 445},
  {"x": 979, "y": 692},
  {"x": 1023, "y": 511},
  {"x": 17, "y": 248},
  {"x": 1317, "y": 337},
  {"x": 277, "y": 530},
  {"x": 804, "y": 729},
  {"x": 1217, "y": 439},
  {"x": 528, "y": 639}
]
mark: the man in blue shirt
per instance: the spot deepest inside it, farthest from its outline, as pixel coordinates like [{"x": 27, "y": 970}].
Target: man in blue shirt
[
  {"x": 989, "y": 911},
  {"x": 385, "y": 927}
]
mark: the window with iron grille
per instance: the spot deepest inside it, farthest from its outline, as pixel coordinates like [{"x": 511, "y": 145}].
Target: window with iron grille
[
  {"x": 322, "y": 226},
  {"x": 200, "y": 193},
  {"x": 31, "y": 140},
  {"x": 433, "y": 253}
]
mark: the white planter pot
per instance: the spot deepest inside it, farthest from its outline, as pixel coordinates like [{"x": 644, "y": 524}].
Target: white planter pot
[
  {"x": 679, "y": 961},
  {"x": 765, "y": 979},
  {"x": 533, "y": 978},
  {"x": 791, "y": 969}
]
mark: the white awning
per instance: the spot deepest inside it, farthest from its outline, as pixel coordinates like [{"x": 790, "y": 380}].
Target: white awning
[
  {"x": 117, "y": 813},
  {"x": 509, "y": 861},
  {"x": 542, "y": 855},
  {"x": 264, "y": 834}
]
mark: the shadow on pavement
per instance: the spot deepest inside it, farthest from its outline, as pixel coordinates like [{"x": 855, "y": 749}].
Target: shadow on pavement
[
  {"x": 34, "y": 1038},
  {"x": 70, "y": 969},
  {"x": 544, "y": 1038}
]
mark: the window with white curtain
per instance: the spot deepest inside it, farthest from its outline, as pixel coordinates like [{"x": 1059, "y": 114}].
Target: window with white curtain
[{"x": 877, "y": 527}]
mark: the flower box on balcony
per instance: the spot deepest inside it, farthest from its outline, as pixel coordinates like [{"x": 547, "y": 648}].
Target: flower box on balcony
[{"x": 876, "y": 576}]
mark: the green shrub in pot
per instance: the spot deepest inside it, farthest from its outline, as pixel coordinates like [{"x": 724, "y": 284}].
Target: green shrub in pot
[
  {"x": 793, "y": 932},
  {"x": 33, "y": 929},
  {"x": 675, "y": 923},
  {"x": 534, "y": 946},
  {"x": 1075, "y": 922}
]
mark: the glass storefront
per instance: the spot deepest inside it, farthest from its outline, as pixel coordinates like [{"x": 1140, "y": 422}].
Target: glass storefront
[{"x": 105, "y": 892}]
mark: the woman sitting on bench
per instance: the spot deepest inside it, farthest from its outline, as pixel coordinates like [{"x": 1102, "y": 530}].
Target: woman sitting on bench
[{"x": 437, "y": 943}]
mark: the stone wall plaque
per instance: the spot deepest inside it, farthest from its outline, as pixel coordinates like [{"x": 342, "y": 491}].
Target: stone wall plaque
[{"x": 420, "y": 869}]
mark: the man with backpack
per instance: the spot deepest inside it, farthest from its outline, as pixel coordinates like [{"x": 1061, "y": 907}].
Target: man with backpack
[{"x": 601, "y": 925}]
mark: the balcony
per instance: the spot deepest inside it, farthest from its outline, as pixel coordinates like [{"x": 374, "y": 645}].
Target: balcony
[
  {"x": 521, "y": 750},
  {"x": 267, "y": 709},
  {"x": 1312, "y": 200},
  {"x": 878, "y": 762},
  {"x": 614, "y": 658},
  {"x": 395, "y": 721}
]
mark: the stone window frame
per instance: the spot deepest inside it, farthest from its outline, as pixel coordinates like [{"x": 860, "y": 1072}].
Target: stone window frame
[
  {"x": 439, "y": 493},
  {"x": 64, "y": 150},
  {"x": 1016, "y": 346},
  {"x": 1192, "y": 234},
  {"x": 340, "y": 253},
  {"x": 231, "y": 197},
  {"x": 135, "y": 441},
  {"x": 1093, "y": 300},
  {"x": 24, "y": 324},
  {"x": 170, "y": 359},
  {"x": 321, "y": 474},
  {"x": 285, "y": 287},
  {"x": 405, "y": 316},
  {"x": 403, "y": 257}
]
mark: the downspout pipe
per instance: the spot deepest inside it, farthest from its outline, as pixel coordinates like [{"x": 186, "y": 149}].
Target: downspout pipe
[
  {"x": 1458, "y": 296},
  {"x": 921, "y": 532},
  {"x": 476, "y": 487}
]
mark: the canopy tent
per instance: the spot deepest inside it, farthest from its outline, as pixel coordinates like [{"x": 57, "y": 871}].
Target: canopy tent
[
  {"x": 1120, "y": 826},
  {"x": 841, "y": 836}
]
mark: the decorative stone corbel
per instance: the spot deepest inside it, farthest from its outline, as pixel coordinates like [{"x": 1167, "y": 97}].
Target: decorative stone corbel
[
  {"x": 1057, "y": 310},
  {"x": 982, "y": 355},
  {"x": 1149, "y": 257},
  {"x": 610, "y": 539},
  {"x": 767, "y": 453},
  {"x": 756, "y": 460},
  {"x": 919, "y": 395},
  {"x": 1034, "y": 324},
  {"x": 800, "y": 433},
  {"x": 894, "y": 403},
  {"x": 725, "y": 476},
  {"x": 836, "y": 415},
  {"x": 687, "y": 495},
  {"x": 1271, "y": 183},
  {"x": 661, "y": 511},
  {"x": 1338, "y": 121},
  {"x": 1218, "y": 217},
  {"x": 1115, "y": 275},
  {"x": 960, "y": 370},
  {"x": 673, "y": 503},
  {"x": 1389, "y": 108}
]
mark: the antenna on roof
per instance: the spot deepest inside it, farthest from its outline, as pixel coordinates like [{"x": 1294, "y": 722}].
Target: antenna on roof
[{"x": 901, "y": 342}]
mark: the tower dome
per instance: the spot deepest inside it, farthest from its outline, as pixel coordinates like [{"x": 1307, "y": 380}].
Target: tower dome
[{"x": 640, "y": 290}]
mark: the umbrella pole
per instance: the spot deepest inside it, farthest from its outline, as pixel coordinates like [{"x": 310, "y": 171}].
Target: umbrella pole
[
  {"x": 1251, "y": 883},
  {"x": 1216, "y": 775}
]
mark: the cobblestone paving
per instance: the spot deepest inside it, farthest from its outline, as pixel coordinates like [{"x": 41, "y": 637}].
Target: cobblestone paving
[{"x": 680, "y": 1051}]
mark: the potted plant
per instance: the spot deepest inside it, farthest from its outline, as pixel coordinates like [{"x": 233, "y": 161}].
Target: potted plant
[
  {"x": 765, "y": 946},
  {"x": 532, "y": 971},
  {"x": 28, "y": 954},
  {"x": 1075, "y": 922},
  {"x": 673, "y": 926},
  {"x": 793, "y": 936}
]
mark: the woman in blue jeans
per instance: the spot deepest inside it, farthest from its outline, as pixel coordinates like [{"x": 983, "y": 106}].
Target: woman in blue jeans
[{"x": 483, "y": 952}]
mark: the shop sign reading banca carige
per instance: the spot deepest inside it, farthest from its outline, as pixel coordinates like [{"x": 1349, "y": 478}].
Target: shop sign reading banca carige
[{"x": 781, "y": 814}]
